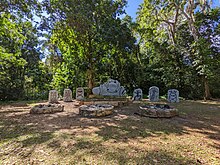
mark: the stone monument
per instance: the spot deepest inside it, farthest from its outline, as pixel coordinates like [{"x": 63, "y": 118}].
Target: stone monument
[
  {"x": 53, "y": 96},
  {"x": 154, "y": 93},
  {"x": 173, "y": 96},
  {"x": 137, "y": 94},
  {"x": 110, "y": 88},
  {"x": 80, "y": 93},
  {"x": 67, "y": 95}
]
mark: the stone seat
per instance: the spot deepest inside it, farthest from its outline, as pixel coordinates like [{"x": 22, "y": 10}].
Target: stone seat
[
  {"x": 158, "y": 110},
  {"x": 96, "y": 110},
  {"x": 47, "y": 108}
]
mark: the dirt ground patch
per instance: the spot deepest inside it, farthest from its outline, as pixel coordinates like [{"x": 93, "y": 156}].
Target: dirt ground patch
[{"x": 193, "y": 137}]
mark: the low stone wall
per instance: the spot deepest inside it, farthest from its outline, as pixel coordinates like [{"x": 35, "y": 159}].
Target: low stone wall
[
  {"x": 97, "y": 110},
  {"x": 47, "y": 108},
  {"x": 115, "y": 103},
  {"x": 157, "y": 110}
]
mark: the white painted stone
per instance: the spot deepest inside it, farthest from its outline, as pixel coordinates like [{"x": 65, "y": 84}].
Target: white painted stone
[
  {"x": 80, "y": 93},
  {"x": 53, "y": 96},
  {"x": 67, "y": 95},
  {"x": 122, "y": 91},
  {"x": 96, "y": 91},
  {"x": 154, "y": 93},
  {"x": 173, "y": 96},
  {"x": 110, "y": 88},
  {"x": 137, "y": 94}
]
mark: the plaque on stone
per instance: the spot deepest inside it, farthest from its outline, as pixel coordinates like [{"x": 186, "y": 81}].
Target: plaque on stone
[
  {"x": 110, "y": 88},
  {"x": 173, "y": 96},
  {"x": 53, "y": 96},
  {"x": 67, "y": 95},
  {"x": 137, "y": 94},
  {"x": 80, "y": 93},
  {"x": 154, "y": 94}
]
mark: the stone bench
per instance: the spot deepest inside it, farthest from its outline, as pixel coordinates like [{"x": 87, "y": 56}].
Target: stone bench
[{"x": 47, "y": 108}]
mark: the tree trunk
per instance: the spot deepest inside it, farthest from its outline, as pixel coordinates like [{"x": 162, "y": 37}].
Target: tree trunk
[
  {"x": 90, "y": 70},
  {"x": 207, "y": 95},
  {"x": 90, "y": 75}
]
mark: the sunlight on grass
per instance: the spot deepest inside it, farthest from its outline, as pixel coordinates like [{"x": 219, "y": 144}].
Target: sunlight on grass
[{"x": 191, "y": 138}]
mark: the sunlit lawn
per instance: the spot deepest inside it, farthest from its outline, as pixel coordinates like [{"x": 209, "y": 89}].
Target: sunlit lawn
[{"x": 123, "y": 138}]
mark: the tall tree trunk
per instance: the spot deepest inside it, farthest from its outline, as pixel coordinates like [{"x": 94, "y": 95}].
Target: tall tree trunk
[
  {"x": 207, "y": 95},
  {"x": 90, "y": 70},
  {"x": 90, "y": 75}
]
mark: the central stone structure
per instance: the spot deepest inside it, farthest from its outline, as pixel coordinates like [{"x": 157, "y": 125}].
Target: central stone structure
[
  {"x": 110, "y": 88},
  {"x": 97, "y": 110},
  {"x": 157, "y": 110}
]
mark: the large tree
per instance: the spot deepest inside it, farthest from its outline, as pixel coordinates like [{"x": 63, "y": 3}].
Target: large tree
[
  {"x": 11, "y": 62},
  {"x": 94, "y": 29},
  {"x": 166, "y": 17},
  {"x": 19, "y": 51}
]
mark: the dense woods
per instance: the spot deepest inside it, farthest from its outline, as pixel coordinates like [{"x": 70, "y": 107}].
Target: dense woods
[{"x": 58, "y": 44}]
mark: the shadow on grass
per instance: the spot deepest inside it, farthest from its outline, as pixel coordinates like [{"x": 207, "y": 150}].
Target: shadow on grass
[
  {"x": 150, "y": 157},
  {"x": 200, "y": 117},
  {"x": 27, "y": 134},
  {"x": 20, "y": 103},
  {"x": 10, "y": 111},
  {"x": 146, "y": 127},
  {"x": 123, "y": 126},
  {"x": 37, "y": 138},
  {"x": 85, "y": 150}
]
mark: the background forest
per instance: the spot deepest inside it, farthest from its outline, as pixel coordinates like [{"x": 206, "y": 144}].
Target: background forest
[{"x": 58, "y": 44}]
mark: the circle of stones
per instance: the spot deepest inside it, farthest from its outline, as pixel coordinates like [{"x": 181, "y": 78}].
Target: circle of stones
[
  {"x": 47, "y": 108},
  {"x": 96, "y": 110},
  {"x": 158, "y": 110}
]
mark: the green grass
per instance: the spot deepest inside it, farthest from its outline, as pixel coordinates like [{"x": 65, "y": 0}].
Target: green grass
[{"x": 123, "y": 138}]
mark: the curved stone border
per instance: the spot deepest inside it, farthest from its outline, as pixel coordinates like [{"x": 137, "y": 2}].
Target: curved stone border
[
  {"x": 158, "y": 110},
  {"x": 47, "y": 108},
  {"x": 96, "y": 110}
]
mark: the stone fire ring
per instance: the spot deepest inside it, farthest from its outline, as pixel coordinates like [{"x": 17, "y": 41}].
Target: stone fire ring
[
  {"x": 96, "y": 110},
  {"x": 47, "y": 108},
  {"x": 158, "y": 110}
]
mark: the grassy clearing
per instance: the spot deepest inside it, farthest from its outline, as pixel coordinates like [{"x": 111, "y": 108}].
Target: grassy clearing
[{"x": 123, "y": 138}]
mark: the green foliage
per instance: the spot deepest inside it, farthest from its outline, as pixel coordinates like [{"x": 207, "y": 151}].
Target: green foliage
[
  {"x": 11, "y": 62},
  {"x": 87, "y": 43},
  {"x": 20, "y": 9},
  {"x": 175, "y": 46},
  {"x": 209, "y": 39},
  {"x": 18, "y": 59}
]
